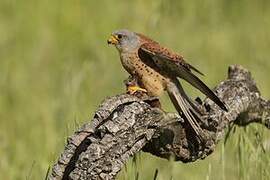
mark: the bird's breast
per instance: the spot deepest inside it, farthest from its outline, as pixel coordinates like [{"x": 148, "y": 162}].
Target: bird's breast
[
  {"x": 148, "y": 78},
  {"x": 129, "y": 61},
  {"x": 154, "y": 84}
]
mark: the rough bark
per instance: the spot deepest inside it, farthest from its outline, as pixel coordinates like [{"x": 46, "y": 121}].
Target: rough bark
[{"x": 124, "y": 125}]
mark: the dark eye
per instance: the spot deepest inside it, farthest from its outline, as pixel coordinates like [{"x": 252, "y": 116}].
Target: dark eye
[{"x": 119, "y": 36}]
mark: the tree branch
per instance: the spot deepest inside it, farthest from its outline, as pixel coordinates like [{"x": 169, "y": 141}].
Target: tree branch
[{"x": 124, "y": 125}]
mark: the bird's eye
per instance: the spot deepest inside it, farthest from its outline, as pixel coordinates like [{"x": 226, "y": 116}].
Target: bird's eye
[{"x": 119, "y": 36}]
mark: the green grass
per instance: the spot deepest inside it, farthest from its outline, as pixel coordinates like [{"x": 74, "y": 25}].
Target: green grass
[{"x": 55, "y": 69}]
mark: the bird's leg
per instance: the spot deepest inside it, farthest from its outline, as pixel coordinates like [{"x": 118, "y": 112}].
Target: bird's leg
[{"x": 133, "y": 87}]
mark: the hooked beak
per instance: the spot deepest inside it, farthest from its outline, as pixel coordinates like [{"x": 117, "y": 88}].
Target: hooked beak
[{"x": 113, "y": 40}]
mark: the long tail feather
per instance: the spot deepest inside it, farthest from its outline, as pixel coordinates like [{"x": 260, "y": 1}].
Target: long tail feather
[{"x": 183, "y": 105}]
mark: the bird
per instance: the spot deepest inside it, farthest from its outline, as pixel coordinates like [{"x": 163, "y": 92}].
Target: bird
[{"x": 158, "y": 69}]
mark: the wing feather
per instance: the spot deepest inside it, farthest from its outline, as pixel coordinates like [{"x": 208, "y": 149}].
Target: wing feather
[{"x": 171, "y": 64}]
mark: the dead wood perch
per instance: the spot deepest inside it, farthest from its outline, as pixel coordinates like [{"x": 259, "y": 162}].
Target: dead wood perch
[{"x": 124, "y": 125}]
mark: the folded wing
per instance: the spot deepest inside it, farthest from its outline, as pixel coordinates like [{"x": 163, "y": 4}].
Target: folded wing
[{"x": 164, "y": 61}]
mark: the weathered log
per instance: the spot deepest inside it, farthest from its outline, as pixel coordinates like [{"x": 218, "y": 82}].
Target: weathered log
[{"x": 125, "y": 124}]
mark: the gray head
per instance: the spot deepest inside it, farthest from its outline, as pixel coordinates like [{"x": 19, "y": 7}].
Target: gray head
[{"x": 124, "y": 40}]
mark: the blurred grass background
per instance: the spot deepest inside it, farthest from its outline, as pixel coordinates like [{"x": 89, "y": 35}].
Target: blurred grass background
[{"x": 56, "y": 68}]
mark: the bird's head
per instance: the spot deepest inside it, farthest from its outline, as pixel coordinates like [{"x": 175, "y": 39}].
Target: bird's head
[{"x": 124, "y": 40}]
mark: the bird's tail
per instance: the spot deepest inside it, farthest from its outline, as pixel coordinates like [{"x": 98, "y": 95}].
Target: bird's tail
[{"x": 184, "y": 106}]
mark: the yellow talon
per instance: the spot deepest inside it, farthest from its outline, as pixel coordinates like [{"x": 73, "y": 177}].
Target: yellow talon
[{"x": 134, "y": 89}]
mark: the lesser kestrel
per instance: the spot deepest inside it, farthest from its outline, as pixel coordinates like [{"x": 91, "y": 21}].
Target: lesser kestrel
[{"x": 157, "y": 69}]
